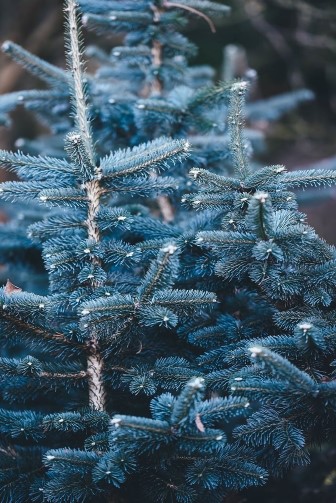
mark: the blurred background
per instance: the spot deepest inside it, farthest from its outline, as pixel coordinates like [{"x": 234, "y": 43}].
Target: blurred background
[{"x": 290, "y": 43}]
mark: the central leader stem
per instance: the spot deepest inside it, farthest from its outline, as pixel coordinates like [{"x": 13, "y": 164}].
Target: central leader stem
[{"x": 97, "y": 393}]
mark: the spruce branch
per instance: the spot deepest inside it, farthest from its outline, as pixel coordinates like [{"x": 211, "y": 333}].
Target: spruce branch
[
  {"x": 49, "y": 73},
  {"x": 76, "y": 67},
  {"x": 39, "y": 332},
  {"x": 283, "y": 369},
  {"x": 97, "y": 393},
  {"x": 235, "y": 121}
]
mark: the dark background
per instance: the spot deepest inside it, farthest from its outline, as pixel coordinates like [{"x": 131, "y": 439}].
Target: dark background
[{"x": 291, "y": 44}]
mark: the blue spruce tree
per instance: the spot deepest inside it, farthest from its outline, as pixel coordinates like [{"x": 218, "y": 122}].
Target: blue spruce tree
[{"x": 184, "y": 349}]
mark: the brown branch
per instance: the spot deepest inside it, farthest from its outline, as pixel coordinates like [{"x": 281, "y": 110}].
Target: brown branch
[
  {"x": 275, "y": 38},
  {"x": 10, "y": 452},
  {"x": 82, "y": 374},
  {"x": 166, "y": 208},
  {"x": 95, "y": 364},
  {"x": 157, "y": 62},
  {"x": 39, "y": 331},
  {"x": 164, "y": 205},
  {"x": 194, "y": 11},
  {"x": 320, "y": 41}
]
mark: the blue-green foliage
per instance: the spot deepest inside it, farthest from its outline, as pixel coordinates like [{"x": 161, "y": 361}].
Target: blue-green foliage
[{"x": 184, "y": 348}]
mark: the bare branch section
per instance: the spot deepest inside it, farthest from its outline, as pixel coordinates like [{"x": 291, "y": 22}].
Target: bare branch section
[
  {"x": 97, "y": 394},
  {"x": 164, "y": 204},
  {"x": 41, "y": 332},
  {"x": 166, "y": 208},
  {"x": 61, "y": 375}
]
